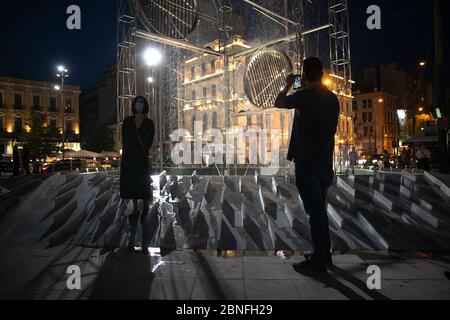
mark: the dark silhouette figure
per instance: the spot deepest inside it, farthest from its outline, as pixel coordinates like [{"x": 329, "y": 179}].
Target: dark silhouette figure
[
  {"x": 26, "y": 159},
  {"x": 16, "y": 161},
  {"x": 386, "y": 159},
  {"x": 311, "y": 148},
  {"x": 423, "y": 156},
  {"x": 138, "y": 133}
]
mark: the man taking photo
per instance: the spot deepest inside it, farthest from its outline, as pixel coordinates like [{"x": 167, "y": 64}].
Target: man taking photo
[{"x": 311, "y": 148}]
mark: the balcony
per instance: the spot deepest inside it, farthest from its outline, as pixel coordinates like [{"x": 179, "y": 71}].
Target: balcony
[
  {"x": 69, "y": 111},
  {"x": 53, "y": 110},
  {"x": 19, "y": 107}
]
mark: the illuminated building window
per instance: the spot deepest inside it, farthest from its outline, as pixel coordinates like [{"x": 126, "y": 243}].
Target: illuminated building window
[
  {"x": 214, "y": 91},
  {"x": 205, "y": 93},
  {"x": 68, "y": 105}
]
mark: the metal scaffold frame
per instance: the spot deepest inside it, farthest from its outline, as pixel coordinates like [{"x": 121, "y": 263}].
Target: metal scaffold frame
[
  {"x": 340, "y": 68},
  {"x": 339, "y": 41},
  {"x": 126, "y": 59}
]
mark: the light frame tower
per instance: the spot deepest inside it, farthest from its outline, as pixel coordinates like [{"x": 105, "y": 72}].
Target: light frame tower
[
  {"x": 126, "y": 59},
  {"x": 340, "y": 69}
]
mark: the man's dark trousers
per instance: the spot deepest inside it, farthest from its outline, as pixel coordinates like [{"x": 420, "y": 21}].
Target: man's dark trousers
[{"x": 313, "y": 187}]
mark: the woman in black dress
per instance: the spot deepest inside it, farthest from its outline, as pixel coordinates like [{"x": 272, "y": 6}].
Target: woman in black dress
[{"x": 138, "y": 133}]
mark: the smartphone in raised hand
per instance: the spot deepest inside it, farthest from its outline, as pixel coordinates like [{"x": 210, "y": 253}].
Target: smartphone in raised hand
[{"x": 298, "y": 82}]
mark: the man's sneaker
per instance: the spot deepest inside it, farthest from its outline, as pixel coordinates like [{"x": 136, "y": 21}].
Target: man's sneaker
[
  {"x": 308, "y": 266},
  {"x": 329, "y": 261}
]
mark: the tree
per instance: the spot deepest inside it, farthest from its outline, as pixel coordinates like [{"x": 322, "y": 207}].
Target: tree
[{"x": 37, "y": 138}]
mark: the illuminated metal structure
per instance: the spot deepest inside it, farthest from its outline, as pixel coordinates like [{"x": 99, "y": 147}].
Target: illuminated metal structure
[
  {"x": 265, "y": 74},
  {"x": 169, "y": 23},
  {"x": 340, "y": 68},
  {"x": 126, "y": 59}
]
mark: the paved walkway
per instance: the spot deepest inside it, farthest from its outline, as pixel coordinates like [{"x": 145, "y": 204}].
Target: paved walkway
[{"x": 27, "y": 273}]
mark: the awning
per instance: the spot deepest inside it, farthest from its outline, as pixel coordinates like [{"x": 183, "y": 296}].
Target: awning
[{"x": 83, "y": 154}]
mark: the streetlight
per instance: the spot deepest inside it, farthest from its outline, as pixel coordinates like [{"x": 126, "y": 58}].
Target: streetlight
[
  {"x": 152, "y": 57},
  {"x": 422, "y": 63},
  {"x": 62, "y": 74}
]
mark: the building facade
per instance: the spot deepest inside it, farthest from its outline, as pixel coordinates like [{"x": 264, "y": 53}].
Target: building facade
[
  {"x": 414, "y": 93},
  {"x": 376, "y": 122},
  {"x": 98, "y": 109},
  {"x": 19, "y": 98}
]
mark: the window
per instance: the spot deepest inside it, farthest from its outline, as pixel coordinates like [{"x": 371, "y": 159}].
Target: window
[
  {"x": 2, "y": 123},
  {"x": 52, "y": 104},
  {"x": 205, "y": 122},
  {"x": 364, "y": 117},
  {"x": 214, "y": 120},
  {"x": 213, "y": 67},
  {"x": 355, "y": 105},
  {"x": 36, "y": 101},
  {"x": 364, "y": 104},
  {"x": 369, "y": 103},
  {"x": 69, "y": 105},
  {"x": 205, "y": 93},
  {"x": 194, "y": 96},
  {"x": 69, "y": 126},
  {"x": 203, "y": 69},
  {"x": 18, "y": 125},
  {"x": 366, "y": 131},
  {"x": 1, "y": 99},
  {"x": 370, "y": 116},
  {"x": 52, "y": 124},
  {"x": 18, "y": 100},
  {"x": 214, "y": 91},
  {"x": 192, "y": 73}
]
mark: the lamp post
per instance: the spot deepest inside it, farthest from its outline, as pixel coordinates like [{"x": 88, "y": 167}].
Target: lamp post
[{"x": 62, "y": 74}]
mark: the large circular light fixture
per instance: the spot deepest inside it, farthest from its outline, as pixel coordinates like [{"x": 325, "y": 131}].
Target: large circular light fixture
[
  {"x": 174, "y": 18},
  {"x": 265, "y": 76}
]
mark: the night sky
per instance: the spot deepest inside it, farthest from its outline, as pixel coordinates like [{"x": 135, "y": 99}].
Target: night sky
[{"x": 35, "y": 39}]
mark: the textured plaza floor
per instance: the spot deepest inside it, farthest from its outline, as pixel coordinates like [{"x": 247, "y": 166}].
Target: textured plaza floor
[{"x": 36, "y": 274}]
